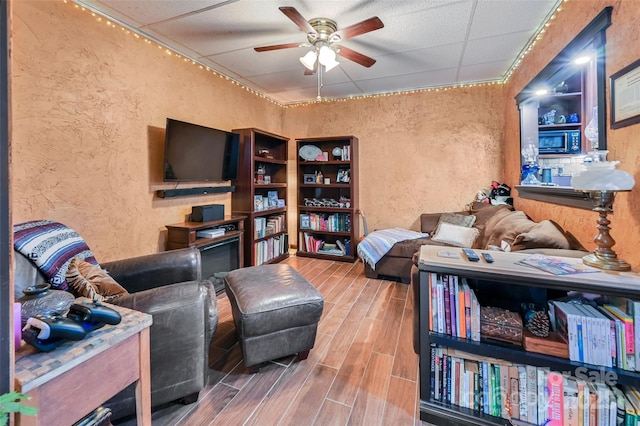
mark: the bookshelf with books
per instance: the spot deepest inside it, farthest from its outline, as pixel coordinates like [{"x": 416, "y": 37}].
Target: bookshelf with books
[
  {"x": 468, "y": 378},
  {"x": 328, "y": 197},
  {"x": 261, "y": 195}
]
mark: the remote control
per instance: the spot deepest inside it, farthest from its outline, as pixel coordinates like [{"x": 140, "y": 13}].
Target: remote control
[
  {"x": 93, "y": 312},
  {"x": 55, "y": 327},
  {"x": 471, "y": 255},
  {"x": 487, "y": 257}
]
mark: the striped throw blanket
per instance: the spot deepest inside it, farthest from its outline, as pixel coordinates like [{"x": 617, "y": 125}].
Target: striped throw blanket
[
  {"x": 51, "y": 246},
  {"x": 378, "y": 243}
]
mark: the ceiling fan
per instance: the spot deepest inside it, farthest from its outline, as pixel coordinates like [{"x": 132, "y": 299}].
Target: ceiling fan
[{"x": 323, "y": 35}]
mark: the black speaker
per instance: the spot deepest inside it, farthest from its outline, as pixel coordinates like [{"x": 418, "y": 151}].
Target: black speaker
[
  {"x": 166, "y": 193},
  {"x": 207, "y": 213}
]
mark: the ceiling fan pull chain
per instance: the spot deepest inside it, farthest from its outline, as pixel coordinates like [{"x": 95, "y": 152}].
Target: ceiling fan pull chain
[{"x": 319, "y": 81}]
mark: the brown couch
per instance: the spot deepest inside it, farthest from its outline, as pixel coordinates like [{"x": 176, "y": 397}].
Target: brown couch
[{"x": 495, "y": 224}]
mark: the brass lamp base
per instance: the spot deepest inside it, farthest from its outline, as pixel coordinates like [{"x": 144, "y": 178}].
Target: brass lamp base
[
  {"x": 603, "y": 256},
  {"x": 607, "y": 263}
]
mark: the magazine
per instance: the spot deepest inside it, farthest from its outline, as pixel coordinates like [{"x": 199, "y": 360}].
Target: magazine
[{"x": 555, "y": 265}]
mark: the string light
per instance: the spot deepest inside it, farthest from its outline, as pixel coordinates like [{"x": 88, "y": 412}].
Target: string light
[{"x": 206, "y": 68}]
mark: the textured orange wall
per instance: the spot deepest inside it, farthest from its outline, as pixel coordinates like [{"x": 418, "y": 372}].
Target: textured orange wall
[
  {"x": 623, "y": 48},
  {"x": 421, "y": 152},
  {"x": 89, "y": 104},
  {"x": 88, "y": 116}
]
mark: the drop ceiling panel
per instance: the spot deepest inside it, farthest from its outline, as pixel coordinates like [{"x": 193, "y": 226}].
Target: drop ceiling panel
[
  {"x": 147, "y": 12},
  {"x": 503, "y": 47},
  {"x": 424, "y": 43},
  {"x": 496, "y": 17},
  {"x": 483, "y": 72}
]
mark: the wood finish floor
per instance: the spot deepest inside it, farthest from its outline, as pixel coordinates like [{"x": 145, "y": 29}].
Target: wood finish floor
[{"x": 362, "y": 370}]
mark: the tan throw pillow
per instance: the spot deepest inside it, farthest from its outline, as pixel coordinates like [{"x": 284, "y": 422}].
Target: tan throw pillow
[
  {"x": 93, "y": 282},
  {"x": 455, "y": 235},
  {"x": 543, "y": 235},
  {"x": 506, "y": 227}
]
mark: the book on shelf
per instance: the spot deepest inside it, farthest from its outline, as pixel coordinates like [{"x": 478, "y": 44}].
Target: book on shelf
[
  {"x": 455, "y": 310},
  {"x": 272, "y": 199},
  {"x": 629, "y": 331},
  {"x": 258, "y": 203},
  {"x": 526, "y": 394},
  {"x": 337, "y": 222},
  {"x": 269, "y": 249}
]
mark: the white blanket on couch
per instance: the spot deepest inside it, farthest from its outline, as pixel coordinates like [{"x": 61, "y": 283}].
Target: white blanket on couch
[{"x": 378, "y": 243}]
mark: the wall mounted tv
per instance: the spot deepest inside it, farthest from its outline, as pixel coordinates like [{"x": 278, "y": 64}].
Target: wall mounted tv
[{"x": 194, "y": 153}]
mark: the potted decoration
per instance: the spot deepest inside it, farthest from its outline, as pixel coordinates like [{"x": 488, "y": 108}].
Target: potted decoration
[{"x": 12, "y": 403}]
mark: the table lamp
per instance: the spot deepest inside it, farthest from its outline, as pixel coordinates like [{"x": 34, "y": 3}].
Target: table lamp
[{"x": 601, "y": 181}]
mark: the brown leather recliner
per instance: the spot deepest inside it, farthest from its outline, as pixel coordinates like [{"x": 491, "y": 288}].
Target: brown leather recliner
[{"x": 169, "y": 286}]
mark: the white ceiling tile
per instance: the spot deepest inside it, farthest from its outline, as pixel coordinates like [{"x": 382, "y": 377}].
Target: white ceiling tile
[
  {"x": 490, "y": 49},
  {"x": 495, "y": 17},
  {"x": 483, "y": 72},
  {"x": 148, "y": 11},
  {"x": 424, "y": 43},
  {"x": 406, "y": 82}
]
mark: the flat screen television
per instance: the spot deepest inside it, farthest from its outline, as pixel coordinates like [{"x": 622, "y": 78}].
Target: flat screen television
[{"x": 194, "y": 153}]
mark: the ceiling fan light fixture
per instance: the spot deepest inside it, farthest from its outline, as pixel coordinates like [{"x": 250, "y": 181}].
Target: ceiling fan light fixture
[
  {"x": 309, "y": 60},
  {"x": 331, "y": 65},
  {"x": 327, "y": 55}
]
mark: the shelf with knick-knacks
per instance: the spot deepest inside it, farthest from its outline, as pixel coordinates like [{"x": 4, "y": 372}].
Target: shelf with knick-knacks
[{"x": 328, "y": 197}]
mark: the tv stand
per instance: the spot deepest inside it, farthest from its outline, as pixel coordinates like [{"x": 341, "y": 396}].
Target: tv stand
[{"x": 219, "y": 254}]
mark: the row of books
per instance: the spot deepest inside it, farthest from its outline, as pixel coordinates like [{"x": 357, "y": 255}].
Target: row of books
[
  {"x": 337, "y": 222},
  {"x": 346, "y": 153},
  {"x": 269, "y": 249},
  {"x": 602, "y": 335},
  {"x": 455, "y": 310},
  {"x": 269, "y": 225},
  {"x": 311, "y": 244},
  {"x": 530, "y": 394},
  {"x": 271, "y": 201}
]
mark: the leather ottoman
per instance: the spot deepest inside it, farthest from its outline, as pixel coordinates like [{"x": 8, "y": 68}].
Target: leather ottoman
[{"x": 275, "y": 311}]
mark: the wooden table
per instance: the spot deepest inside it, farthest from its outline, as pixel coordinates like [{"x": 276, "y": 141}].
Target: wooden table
[{"x": 69, "y": 382}]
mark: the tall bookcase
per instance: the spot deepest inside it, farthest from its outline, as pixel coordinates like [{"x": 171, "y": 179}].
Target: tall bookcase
[
  {"x": 261, "y": 195},
  {"x": 328, "y": 197}
]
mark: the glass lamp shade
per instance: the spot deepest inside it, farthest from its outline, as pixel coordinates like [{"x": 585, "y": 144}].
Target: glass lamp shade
[
  {"x": 327, "y": 57},
  {"x": 602, "y": 176},
  {"x": 309, "y": 60},
  {"x": 591, "y": 131}
]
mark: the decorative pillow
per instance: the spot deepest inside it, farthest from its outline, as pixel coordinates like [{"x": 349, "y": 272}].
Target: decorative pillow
[
  {"x": 466, "y": 220},
  {"x": 51, "y": 246},
  {"x": 91, "y": 281},
  {"x": 455, "y": 235},
  {"x": 544, "y": 234},
  {"x": 505, "y": 227}
]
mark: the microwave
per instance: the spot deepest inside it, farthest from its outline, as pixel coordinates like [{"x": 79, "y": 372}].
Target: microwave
[{"x": 559, "y": 142}]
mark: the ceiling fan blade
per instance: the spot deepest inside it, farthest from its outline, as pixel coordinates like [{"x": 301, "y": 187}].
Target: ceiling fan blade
[
  {"x": 356, "y": 57},
  {"x": 277, "y": 47},
  {"x": 307, "y": 71},
  {"x": 363, "y": 27},
  {"x": 298, "y": 19}
]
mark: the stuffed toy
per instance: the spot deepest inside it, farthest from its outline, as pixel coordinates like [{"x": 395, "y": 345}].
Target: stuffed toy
[{"x": 499, "y": 193}]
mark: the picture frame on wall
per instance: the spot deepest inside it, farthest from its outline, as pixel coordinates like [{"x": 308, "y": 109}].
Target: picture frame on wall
[{"x": 625, "y": 96}]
